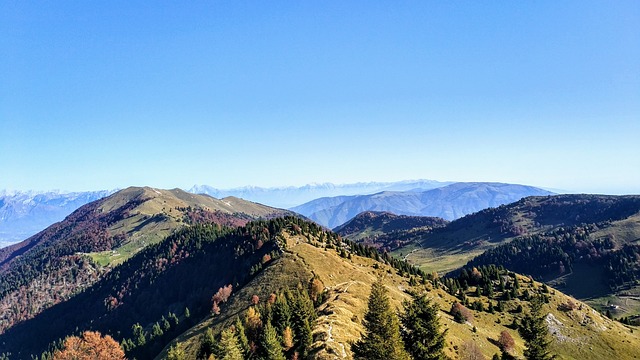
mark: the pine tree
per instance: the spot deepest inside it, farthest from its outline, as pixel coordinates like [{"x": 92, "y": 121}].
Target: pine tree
[
  {"x": 228, "y": 347},
  {"x": 271, "y": 344},
  {"x": 243, "y": 342},
  {"x": 139, "y": 334},
  {"x": 533, "y": 330},
  {"x": 176, "y": 353},
  {"x": 156, "y": 331},
  {"x": 166, "y": 326},
  {"x": 302, "y": 306},
  {"x": 421, "y": 329},
  {"x": 208, "y": 345},
  {"x": 381, "y": 340},
  {"x": 281, "y": 313}
]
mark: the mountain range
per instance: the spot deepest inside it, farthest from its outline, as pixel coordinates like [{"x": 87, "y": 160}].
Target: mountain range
[
  {"x": 23, "y": 214},
  {"x": 170, "y": 275},
  {"x": 288, "y": 197},
  {"x": 448, "y": 202}
]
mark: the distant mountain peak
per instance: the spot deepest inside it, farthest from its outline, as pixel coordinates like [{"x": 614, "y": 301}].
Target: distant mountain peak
[
  {"x": 448, "y": 202},
  {"x": 291, "y": 196}
]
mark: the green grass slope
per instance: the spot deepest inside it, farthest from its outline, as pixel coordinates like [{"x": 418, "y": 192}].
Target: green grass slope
[
  {"x": 581, "y": 333},
  {"x": 448, "y": 248},
  {"x": 158, "y": 212}
]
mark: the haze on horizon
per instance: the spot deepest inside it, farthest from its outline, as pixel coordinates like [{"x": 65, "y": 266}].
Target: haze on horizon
[{"x": 110, "y": 95}]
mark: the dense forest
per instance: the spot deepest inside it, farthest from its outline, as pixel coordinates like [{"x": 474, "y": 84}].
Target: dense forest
[
  {"x": 167, "y": 287},
  {"x": 49, "y": 267},
  {"x": 555, "y": 253},
  {"x": 152, "y": 285}
]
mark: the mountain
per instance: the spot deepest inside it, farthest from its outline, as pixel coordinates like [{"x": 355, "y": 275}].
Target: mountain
[
  {"x": 178, "y": 295},
  {"x": 448, "y": 202},
  {"x": 73, "y": 254},
  {"x": 23, "y": 214},
  {"x": 287, "y": 197}
]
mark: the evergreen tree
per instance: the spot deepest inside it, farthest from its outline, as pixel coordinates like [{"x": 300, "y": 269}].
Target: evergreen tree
[
  {"x": 176, "y": 353},
  {"x": 421, "y": 329},
  {"x": 281, "y": 313},
  {"x": 381, "y": 340},
  {"x": 243, "y": 342},
  {"x": 139, "y": 334},
  {"x": 302, "y": 306},
  {"x": 208, "y": 345},
  {"x": 271, "y": 344},
  {"x": 166, "y": 326},
  {"x": 533, "y": 330},
  {"x": 156, "y": 331},
  {"x": 174, "y": 319},
  {"x": 228, "y": 347}
]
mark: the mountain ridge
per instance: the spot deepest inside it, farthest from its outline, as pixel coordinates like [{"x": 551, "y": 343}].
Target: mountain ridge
[
  {"x": 150, "y": 294},
  {"x": 23, "y": 214},
  {"x": 290, "y": 196},
  {"x": 449, "y": 202},
  {"x": 101, "y": 235}
]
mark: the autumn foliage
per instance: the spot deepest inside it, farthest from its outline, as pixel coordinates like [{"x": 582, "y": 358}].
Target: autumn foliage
[
  {"x": 91, "y": 346},
  {"x": 507, "y": 344},
  {"x": 460, "y": 313},
  {"x": 221, "y": 296}
]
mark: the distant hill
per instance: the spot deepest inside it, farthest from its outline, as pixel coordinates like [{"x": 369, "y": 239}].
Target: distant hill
[
  {"x": 23, "y": 214},
  {"x": 386, "y": 230},
  {"x": 290, "y": 196},
  {"x": 449, "y": 202},
  {"x": 43, "y": 270}
]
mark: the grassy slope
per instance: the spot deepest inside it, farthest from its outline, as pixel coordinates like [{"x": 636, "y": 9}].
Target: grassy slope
[
  {"x": 580, "y": 334},
  {"x": 467, "y": 237},
  {"x": 160, "y": 213},
  {"x": 434, "y": 255}
]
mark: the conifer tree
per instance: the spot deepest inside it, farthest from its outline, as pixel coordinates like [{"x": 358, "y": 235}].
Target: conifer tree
[
  {"x": 271, "y": 344},
  {"x": 176, "y": 353},
  {"x": 139, "y": 334},
  {"x": 156, "y": 331},
  {"x": 533, "y": 330},
  {"x": 208, "y": 345},
  {"x": 281, "y": 313},
  {"x": 92, "y": 345},
  {"x": 421, "y": 329},
  {"x": 228, "y": 347},
  {"x": 243, "y": 342},
  {"x": 381, "y": 340},
  {"x": 302, "y": 306},
  {"x": 166, "y": 326}
]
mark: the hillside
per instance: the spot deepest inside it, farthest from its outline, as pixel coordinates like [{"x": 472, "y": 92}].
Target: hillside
[
  {"x": 163, "y": 298},
  {"x": 579, "y": 333},
  {"x": 71, "y": 255},
  {"x": 566, "y": 240},
  {"x": 386, "y": 230},
  {"x": 448, "y": 202},
  {"x": 23, "y": 214}
]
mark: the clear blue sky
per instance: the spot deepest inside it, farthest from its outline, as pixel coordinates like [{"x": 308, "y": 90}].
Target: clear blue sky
[{"x": 100, "y": 95}]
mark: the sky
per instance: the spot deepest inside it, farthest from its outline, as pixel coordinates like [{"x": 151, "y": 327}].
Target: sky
[{"x": 103, "y": 95}]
